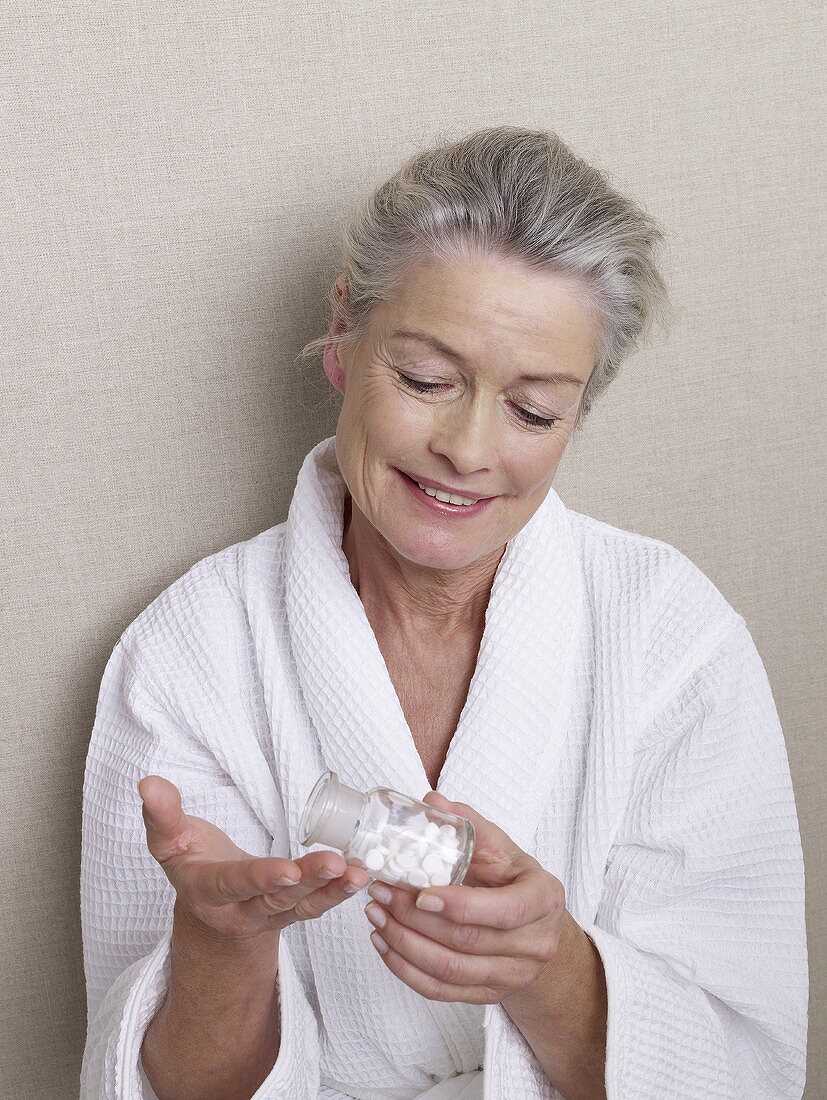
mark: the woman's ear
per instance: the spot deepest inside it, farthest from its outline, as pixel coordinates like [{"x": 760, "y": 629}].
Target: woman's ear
[{"x": 332, "y": 364}]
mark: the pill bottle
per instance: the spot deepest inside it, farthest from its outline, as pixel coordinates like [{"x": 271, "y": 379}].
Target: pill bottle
[{"x": 395, "y": 838}]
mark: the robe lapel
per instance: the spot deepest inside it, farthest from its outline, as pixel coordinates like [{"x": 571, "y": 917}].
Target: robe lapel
[{"x": 511, "y": 730}]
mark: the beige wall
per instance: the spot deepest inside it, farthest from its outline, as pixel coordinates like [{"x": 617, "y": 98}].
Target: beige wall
[{"x": 175, "y": 176}]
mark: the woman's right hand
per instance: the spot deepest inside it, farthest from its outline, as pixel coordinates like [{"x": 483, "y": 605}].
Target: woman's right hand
[{"x": 224, "y": 889}]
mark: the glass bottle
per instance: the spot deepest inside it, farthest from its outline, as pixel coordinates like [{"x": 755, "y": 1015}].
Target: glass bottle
[{"x": 395, "y": 838}]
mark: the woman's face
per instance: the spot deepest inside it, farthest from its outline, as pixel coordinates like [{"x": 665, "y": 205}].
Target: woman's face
[{"x": 468, "y": 421}]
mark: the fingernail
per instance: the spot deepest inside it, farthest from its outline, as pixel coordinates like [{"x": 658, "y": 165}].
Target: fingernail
[
  {"x": 380, "y": 893},
  {"x": 285, "y": 881},
  {"x": 430, "y": 902},
  {"x": 375, "y": 915},
  {"x": 378, "y": 942},
  {"x": 349, "y": 888},
  {"x": 327, "y": 873}
]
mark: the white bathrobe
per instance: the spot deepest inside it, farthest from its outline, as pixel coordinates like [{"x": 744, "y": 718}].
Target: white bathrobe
[{"x": 619, "y": 727}]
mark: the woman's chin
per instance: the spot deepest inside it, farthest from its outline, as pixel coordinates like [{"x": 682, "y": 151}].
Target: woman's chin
[{"x": 424, "y": 552}]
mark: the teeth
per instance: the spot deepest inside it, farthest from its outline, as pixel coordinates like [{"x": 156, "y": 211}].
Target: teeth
[{"x": 449, "y": 498}]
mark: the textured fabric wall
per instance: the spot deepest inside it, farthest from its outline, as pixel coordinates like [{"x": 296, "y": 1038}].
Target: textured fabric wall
[{"x": 175, "y": 177}]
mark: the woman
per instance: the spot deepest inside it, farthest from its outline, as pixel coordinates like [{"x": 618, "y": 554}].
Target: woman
[{"x": 632, "y": 924}]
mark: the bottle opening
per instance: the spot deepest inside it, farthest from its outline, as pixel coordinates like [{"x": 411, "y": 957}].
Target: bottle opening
[
  {"x": 332, "y": 813},
  {"x": 317, "y": 808}
]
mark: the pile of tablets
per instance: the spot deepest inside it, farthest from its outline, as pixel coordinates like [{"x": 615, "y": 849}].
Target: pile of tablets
[{"x": 411, "y": 849}]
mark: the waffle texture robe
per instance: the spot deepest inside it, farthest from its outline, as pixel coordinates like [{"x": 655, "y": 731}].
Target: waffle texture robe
[{"x": 619, "y": 727}]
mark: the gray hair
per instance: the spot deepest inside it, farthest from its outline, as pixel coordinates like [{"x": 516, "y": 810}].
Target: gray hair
[{"x": 516, "y": 194}]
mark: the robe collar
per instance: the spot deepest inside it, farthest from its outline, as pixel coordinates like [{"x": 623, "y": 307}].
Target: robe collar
[{"x": 501, "y": 760}]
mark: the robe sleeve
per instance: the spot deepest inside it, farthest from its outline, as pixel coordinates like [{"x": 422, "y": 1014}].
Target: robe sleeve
[
  {"x": 700, "y": 925},
  {"x": 127, "y": 901}
]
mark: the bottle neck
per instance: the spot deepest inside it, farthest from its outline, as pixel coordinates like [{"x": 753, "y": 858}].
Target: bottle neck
[{"x": 339, "y": 814}]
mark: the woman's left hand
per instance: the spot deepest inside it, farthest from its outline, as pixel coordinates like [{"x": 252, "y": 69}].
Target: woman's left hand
[{"x": 497, "y": 932}]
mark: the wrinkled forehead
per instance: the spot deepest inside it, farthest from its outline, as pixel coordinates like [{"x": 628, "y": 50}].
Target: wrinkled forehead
[{"x": 492, "y": 314}]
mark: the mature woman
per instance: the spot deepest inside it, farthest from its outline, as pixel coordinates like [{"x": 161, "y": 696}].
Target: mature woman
[{"x": 632, "y": 925}]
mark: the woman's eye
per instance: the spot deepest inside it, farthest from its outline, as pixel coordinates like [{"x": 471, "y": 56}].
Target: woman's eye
[
  {"x": 537, "y": 421},
  {"x": 415, "y": 384},
  {"x": 526, "y": 416}
]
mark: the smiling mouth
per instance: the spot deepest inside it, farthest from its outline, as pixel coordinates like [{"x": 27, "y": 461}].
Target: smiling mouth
[
  {"x": 456, "y": 504},
  {"x": 447, "y": 496}
]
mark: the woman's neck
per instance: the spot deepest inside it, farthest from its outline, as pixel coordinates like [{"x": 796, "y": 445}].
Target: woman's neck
[{"x": 409, "y": 598}]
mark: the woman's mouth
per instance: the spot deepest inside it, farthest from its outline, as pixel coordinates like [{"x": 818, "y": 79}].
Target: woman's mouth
[{"x": 442, "y": 507}]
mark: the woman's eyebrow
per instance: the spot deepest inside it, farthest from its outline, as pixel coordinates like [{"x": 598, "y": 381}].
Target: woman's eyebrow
[{"x": 437, "y": 345}]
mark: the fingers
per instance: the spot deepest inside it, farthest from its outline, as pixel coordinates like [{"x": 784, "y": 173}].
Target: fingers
[
  {"x": 442, "y": 974},
  {"x": 167, "y": 826},
  {"x": 532, "y": 896},
  {"x": 313, "y": 896},
  {"x": 530, "y": 941},
  {"x": 220, "y": 882}
]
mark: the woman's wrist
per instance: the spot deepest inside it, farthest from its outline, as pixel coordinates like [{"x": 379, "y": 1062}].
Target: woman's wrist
[
  {"x": 191, "y": 933},
  {"x": 217, "y": 1032}
]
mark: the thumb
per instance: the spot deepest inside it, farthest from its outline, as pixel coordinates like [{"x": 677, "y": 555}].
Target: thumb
[
  {"x": 491, "y": 843},
  {"x": 459, "y": 809},
  {"x": 438, "y": 800},
  {"x": 164, "y": 817}
]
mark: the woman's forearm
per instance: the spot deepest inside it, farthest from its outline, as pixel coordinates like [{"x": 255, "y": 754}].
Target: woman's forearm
[
  {"x": 563, "y": 1016},
  {"x": 216, "y": 1035}
]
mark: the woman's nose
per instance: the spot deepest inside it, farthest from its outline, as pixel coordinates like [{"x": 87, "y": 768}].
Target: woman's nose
[{"x": 468, "y": 440}]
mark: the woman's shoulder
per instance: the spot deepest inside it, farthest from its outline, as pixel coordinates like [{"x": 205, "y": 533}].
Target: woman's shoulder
[
  {"x": 207, "y": 605},
  {"x": 678, "y": 608}
]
